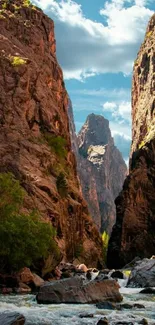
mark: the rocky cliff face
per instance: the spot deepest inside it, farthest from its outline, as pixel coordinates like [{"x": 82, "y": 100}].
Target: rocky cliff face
[
  {"x": 34, "y": 128},
  {"x": 101, "y": 170},
  {"x": 133, "y": 234}
]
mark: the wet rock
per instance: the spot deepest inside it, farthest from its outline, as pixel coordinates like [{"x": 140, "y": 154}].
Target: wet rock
[
  {"x": 129, "y": 306},
  {"x": 124, "y": 323},
  {"x": 126, "y": 306},
  {"x": 86, "y": 315},
  {"x": 106, "y": 305},
  {"x": 76, "y": 290},
  {"x": 103, "y": 321},
  {"x": 143, "y": 322},
  {"x": 142, "y": 275},
  {"x": 148, "y": 291},
  {"x": 23, "y": 288},
  {"x": 117, "y": 274},
  {"x": 11, "y": 318},
  {"x": 139, "y": 306}
]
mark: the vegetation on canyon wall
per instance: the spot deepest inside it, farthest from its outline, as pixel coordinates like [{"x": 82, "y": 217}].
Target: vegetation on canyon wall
[{"x": 24, "y": 238}]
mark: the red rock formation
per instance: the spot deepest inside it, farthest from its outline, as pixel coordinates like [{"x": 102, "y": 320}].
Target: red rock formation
[
  {"x": 34, "y": 128},
  {"x": 101, "y": 170},
  {"x": 133, "y": 234}
]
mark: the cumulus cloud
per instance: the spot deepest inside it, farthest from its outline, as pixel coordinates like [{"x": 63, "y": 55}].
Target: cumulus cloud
[
  {"x": 120, "y": 111},
  {"x": 86, "y": 47}
]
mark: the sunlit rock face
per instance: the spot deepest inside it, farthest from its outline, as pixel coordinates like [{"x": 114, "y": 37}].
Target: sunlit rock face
[
  {"x": 35, "y": 142},
  {"x": 101, "y": 170},
  {"x": 133, "y": 234}
]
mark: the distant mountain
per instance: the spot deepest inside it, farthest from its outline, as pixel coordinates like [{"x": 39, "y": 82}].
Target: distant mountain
[{"x": 101, "y": 169}]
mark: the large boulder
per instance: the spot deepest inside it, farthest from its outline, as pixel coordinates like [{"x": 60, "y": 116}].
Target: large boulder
[
  {"x": 143, "y": 274},
  {"x": 11, "y": 318},
  {"x": 27, "y": 277},
  {"x": 77, "y": 290}
]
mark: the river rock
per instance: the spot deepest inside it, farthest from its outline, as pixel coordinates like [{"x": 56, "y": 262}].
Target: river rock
[
  {"x": 148, "y": 291},
  {"x": 106, "y": 305},
  {"x": 143, "y": 322},
  {"x": 117, "y": 274},
  {"x": 86, "y": 315},
  {"x": 128, "y": 306},
  {"x": 25, "y": 275},
  {"x": 37, "y": 280},
  {"x": 76, "y": 290},
  {"x": 11, "y": 318},
  {"x": 103, "y": 321},
  {"x": 23, "y": 288},
  {"x": 143, "y": 274}
]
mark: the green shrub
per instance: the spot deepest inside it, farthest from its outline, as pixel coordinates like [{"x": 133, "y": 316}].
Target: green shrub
[
  {"x": 26, "y": 3},
  {"x": 57, "y": 144},
  {"x": 17, "y": 60},
  {"x": 4, "y": 5},
  {"x": 24, "y": 239},
  {"x": 105, "y": 240},
  {"x": 62, "y": 185}
]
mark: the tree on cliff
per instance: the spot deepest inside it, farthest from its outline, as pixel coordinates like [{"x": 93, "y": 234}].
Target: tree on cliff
[{"x": 24, "y": 239}]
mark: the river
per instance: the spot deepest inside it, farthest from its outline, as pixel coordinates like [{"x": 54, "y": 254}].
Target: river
[{"x": 64, "y": 314}]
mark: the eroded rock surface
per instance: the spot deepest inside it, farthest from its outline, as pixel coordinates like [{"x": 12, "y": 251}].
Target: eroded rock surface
[
  {"x": 133, "y": 233},
  {"x": 101, "y": 169},
  {"x": 34, "y": 129},
  {"x": 12, "y": 318},
  {"x": 75, "y": 290},
  {"x": 142, "y": 275}
]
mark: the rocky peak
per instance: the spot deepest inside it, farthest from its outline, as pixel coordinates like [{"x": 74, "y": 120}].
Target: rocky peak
[
  {"x": 94, "y": 132},
  {"x": 101, "y": 170}
]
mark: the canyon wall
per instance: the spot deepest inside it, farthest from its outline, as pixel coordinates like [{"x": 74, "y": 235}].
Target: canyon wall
[
  {"x": 133, "y": 234},
  {"x": 35, "y": 141}
]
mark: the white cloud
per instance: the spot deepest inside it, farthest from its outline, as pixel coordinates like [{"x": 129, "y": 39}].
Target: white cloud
[
  {"x": 86, "y": 47},
  {"x": 109, "y": 106},
  {"x": 120, "y": 111}
]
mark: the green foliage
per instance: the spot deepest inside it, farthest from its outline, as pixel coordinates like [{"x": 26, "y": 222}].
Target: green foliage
[
  {"x": 142, "y": 144},
  {"x": 149, "y": 34},
  {"x": 127, "y": 272},
  {"x": 105, "y": 240},
  {"x": 26, "y": 3},
  {"x": 24, "y": 239},
  {"x": 62, "y": 185},
  {"x": 16, "y": 61},
  {"x": 57, "y": 144},
  {"x": 4, "y": 5},
  {"x": 11, "y": 194}
]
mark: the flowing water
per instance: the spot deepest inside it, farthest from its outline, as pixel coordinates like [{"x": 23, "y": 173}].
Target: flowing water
[{"x": 64, "y": 314}]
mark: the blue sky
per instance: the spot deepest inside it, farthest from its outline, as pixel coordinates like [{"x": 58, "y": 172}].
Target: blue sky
[{"x": 97, "y": 43}]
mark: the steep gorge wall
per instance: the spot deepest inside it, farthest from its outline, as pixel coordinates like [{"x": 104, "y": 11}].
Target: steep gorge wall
[
  {"x": 133, "y": 234},
  {"x": 34, "y": 129}
]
